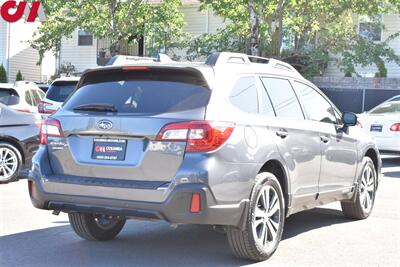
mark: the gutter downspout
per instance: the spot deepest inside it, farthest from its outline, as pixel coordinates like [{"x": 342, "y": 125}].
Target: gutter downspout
[
  {"x": 8, "y": 50},
  {"x": 208, "y": 21}
]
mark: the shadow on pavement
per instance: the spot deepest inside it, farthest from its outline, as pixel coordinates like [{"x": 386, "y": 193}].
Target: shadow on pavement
[
  {"x": 391, "y": 162},
  {"x": 302, "y": 222},
  {"x": 142, "y": 244}
]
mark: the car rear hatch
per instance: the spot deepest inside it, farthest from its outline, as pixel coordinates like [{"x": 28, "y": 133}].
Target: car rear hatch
[{"x": 110, "y": 123}]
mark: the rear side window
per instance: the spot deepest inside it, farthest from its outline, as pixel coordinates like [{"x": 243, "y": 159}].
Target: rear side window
[
  {"x": 36, "y": 97},
  {"x": 244, "y": 95},
  {"x": 143, "y": 92},
  {"x": 28, "y": 98},
  {"x": 9, "y": 97},
  {"x": 386, "y": 108},
  {"x": 59, "y": 91},
  {"x": 315, "y": 105},
  {"x": 283, "y": 98}
]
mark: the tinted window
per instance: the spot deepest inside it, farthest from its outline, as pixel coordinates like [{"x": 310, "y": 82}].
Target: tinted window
[
  {"x": 142, "y": 93},
  {"x": 9, "y": 97},
  {"x": 315, "y": 105},
  {"x": 397, "y": 98},
  {"x": 283, "y": 98},
  {"x": 386, "y": 108},
  {"x": 28, "y": 98},
  {"x": 59, "y": 91},
  {"x": 244, "y": 95}
]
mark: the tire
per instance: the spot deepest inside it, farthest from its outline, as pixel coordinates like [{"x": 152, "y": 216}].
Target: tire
[
  {"x": 10, "y": 163},
  {"x": 360, "y": 207},
  {"x": 249, "y": 243},
  {"x": 89, "y": 226}
]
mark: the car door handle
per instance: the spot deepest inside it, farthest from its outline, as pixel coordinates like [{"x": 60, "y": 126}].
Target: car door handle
[
  {"x": 282, "y": 133},
  {"x": 325, "y": 139}
]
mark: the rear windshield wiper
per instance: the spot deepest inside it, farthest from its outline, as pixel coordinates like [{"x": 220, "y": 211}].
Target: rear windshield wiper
[{"x": 96, "y": 107}]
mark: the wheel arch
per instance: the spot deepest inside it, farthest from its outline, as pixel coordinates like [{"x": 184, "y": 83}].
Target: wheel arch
[
  {"x": 373, "y": 155},
  {"x": 276, "y": 167},
  {"x": 13, "y": 141}
]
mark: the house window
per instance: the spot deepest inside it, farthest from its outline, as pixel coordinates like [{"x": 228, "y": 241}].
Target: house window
[
  {"x": 371, "y": 28},
  {"x": 84, "y": 38}
]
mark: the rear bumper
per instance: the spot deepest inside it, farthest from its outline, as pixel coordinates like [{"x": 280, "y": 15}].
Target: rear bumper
[
  {"x": 176, "y": 208},
  {"x": 388, "y": 144}
]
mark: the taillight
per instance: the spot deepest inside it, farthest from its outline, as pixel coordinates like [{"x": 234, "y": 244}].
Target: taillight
[
  {"x": 50, "y": 127},
  {"x": 201, "y": 136},
  {"x": 395, "y": 127},
  {"x": 42, "y": 108}
]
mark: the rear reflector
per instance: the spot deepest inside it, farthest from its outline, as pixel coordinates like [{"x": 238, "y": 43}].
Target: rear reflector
[
  {"x": 201, "y": 136},
  {"x": 195, "y": 205},
  {"x": 50, "y": 127},
  {"x": 395, "y": 127},
  {"x": 23, "y": 110}
]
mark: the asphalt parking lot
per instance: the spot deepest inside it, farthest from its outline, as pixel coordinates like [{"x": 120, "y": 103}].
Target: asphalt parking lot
[{"x": 319, "y": 237}]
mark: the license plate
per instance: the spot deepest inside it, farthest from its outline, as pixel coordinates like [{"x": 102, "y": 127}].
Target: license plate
[
  {"x": 109, "y": 149},
  {"x": 376, "y": 128}
]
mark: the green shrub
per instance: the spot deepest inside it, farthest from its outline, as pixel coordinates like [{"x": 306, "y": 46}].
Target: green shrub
[
  {"x": 19, "y": 76},
  {"x": 3, "y": 74}
]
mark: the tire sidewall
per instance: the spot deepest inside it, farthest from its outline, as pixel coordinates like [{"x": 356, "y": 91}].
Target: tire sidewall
[
  {"x": 15, "y": 176},
  {"x": 263, "y": 179}
]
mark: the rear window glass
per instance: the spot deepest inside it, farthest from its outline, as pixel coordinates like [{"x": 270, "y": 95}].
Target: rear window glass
[
  {"x": 143, "y": 92},
  {"x": 386, "y": 108},
  {"x": 59, "y": 91},
  {"x": 9, "y": 97}
]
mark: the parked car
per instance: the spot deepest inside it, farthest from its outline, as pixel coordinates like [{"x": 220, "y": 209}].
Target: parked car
[
  {"x": 230, "y": 143},
  {"x": 383, "y": 122},
  {"x": 22, "y": 96},
  {"x": 58, "y": 91},
  {"x": 19, "y": 140},
  {"x": 393, "y": 99},
  {"x": 43, "y": 86}
]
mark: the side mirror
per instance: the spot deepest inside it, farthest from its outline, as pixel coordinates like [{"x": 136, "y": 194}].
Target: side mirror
[{"x": 349, "y": 119}]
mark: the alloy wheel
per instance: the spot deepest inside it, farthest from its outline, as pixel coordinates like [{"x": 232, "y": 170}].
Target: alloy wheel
[
  {"x": 8, "y": 163},
  {"x": 266, "y": 220},
  {"x": 367, "y": 189}
]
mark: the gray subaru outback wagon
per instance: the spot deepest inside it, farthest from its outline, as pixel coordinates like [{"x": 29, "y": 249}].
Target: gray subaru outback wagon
[{"x": 238, "y": 142}]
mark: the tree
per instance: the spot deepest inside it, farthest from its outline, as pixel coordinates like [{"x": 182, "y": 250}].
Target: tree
[
  {"x": 19, "y": 76},
  {"x": 3, "y": 74},
  {"x": 309, "y": 28},
  {"x": 118, "y": 20}
]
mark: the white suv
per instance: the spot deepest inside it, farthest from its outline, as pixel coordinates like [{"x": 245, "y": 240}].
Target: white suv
[
  {"x": 22, "y": 96},
  {"x": 58, "y": 91}
]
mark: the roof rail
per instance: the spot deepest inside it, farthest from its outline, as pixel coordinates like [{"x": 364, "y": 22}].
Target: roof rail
[{"x": 227, "y": 57}]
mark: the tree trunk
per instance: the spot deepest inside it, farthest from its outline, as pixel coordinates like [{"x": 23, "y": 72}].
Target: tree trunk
[
  {"x": 280, "y": 26},
  {"x": 254, "y": 30}
]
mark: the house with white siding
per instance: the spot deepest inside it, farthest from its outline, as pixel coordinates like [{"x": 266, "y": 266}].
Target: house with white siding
[
  {"x": 83, "y": 51},
  {"x": 17, "y": 55}
]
